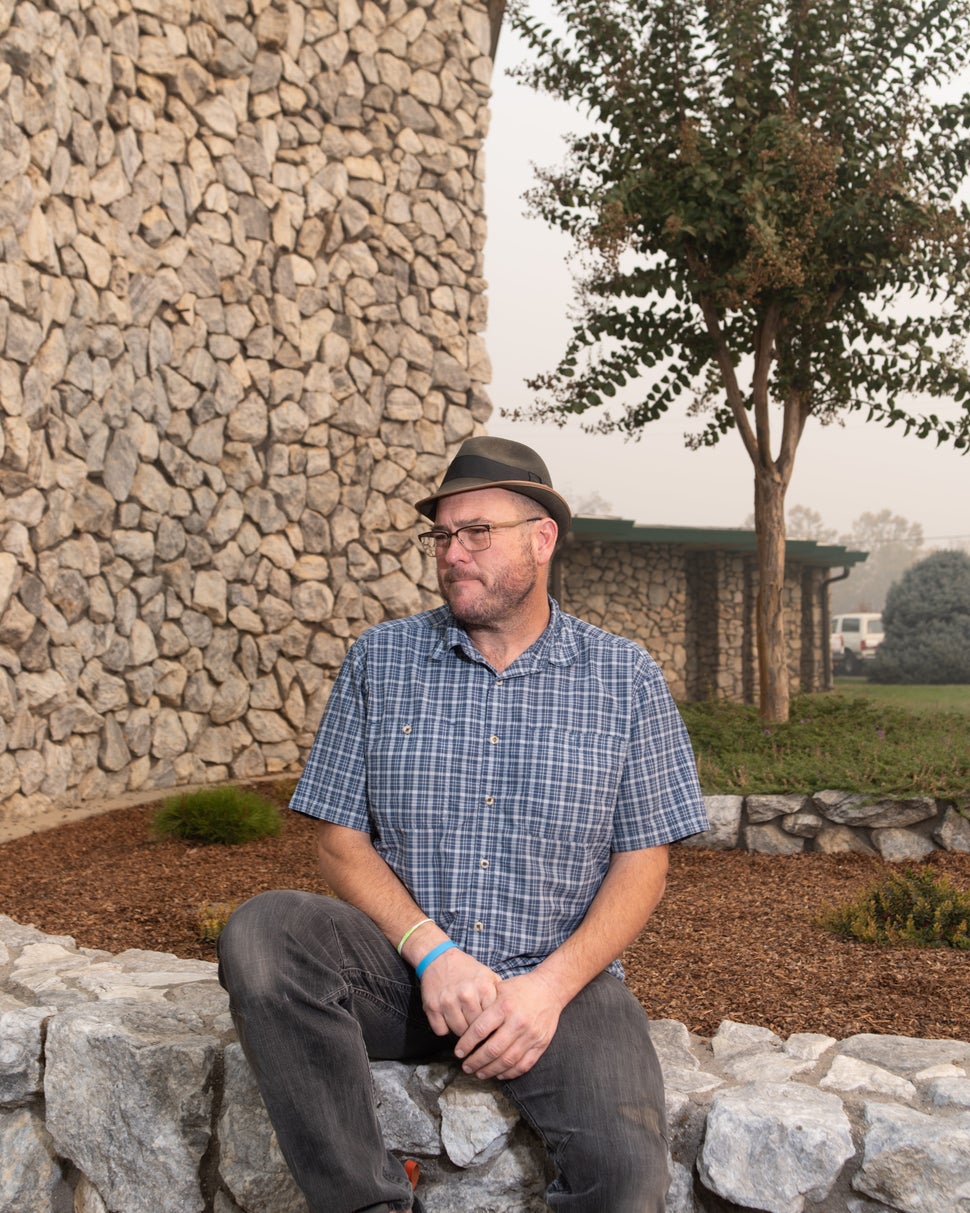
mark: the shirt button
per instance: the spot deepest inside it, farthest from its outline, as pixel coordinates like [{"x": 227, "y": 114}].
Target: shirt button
[
  {"x": 493, "y": 739},
  {"x": 489, "y": 799},
  {"x": 479, "y": 926},
  {"x": 406, "y": 729},
  {"x": 483, "y": 863}
]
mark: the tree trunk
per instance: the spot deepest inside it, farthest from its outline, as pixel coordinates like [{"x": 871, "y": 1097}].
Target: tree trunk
[{"x": 769, "y": 520}]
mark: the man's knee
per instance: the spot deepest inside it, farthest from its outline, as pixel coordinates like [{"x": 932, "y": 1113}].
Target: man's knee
[{"x": 255, "y": 943}]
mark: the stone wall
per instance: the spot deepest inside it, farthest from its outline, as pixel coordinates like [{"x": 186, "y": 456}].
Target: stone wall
[
  {"x": 694, "y": 611},
  {"x": 897, "y": 829},
  {"x": 241, "y": 315},
  {"x": 122, "y": 1090},
  {"x": 814, "y": 667},
  {"x": 108, "y": 1060},
  {"x": 635, "y": 590}
]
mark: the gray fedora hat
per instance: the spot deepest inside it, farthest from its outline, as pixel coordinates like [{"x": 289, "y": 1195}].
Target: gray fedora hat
[{"x": 499, "y": 463}]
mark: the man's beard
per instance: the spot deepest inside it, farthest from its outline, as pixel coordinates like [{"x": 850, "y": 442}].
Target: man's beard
[{"x": 499, "y": 601}]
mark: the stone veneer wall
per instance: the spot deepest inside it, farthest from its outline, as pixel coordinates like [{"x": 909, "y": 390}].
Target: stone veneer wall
[
  {"x": 122, "y": 1088},
  {"x": 241, "y": 306},
  {"x": 694, "y": 611},
  {"x": 635, "y": 590}
]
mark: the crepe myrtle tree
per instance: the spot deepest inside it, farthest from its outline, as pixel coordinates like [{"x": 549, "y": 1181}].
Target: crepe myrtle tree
[{"x": 766, "y": 211}]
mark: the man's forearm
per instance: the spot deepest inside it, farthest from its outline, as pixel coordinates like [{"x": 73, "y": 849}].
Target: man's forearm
[
  {"x": 456, "y": 988},
  {"x": 358, "y": 875}
]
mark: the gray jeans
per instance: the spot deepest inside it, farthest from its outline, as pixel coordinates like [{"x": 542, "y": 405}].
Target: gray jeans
[{"x": 316, "y": 991}]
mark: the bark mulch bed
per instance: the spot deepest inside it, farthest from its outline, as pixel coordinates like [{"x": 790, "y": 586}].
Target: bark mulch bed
[{"x": 735, "y": 937}]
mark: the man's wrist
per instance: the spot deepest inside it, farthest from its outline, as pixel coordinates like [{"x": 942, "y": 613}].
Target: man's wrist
[
  {"x": 430, "y": 957},
  {"x": 558, "y": 978},
  {"x": 420, "y": 941},
  {"x": 409, "y": 932}
]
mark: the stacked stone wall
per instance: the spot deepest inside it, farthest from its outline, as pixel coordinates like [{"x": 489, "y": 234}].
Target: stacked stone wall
[
  {"x": 635, "y": 590},
  {"x": 693, "y": 611},
  {"x": 726, "y": 598},
  {"x": 897, "y": 829},
  {"x": 703, "y": 650},
  {"x": 241, "y": 307},
  {"x": 110, "y": 1061},
  {"x": 814, "y": 640}
]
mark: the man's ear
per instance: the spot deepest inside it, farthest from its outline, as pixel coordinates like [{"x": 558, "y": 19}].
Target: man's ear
[{"x": 546, "y": 533}]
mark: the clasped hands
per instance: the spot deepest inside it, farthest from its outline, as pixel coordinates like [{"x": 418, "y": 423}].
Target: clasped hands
[{"x": 503, "y": 1025}]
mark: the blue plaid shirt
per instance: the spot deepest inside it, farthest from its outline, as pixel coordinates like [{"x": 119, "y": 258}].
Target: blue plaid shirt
[{"x": 499, "y": 798}]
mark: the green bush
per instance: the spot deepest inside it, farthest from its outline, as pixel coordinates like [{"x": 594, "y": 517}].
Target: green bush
[
  {"x": 927, "y": 624},
  {"x": 913, "y": 907},
  {"x": 218, "y": 815},
  {"x": 830, "y": 741}
]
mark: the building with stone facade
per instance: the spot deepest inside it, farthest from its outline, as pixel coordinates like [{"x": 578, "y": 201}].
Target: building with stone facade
[
  {"x": 688, "y": 595},
  {"x": 242, "y": 315}
]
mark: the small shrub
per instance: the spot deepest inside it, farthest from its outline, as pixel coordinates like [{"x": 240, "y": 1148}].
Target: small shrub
[
  {"x": 212, "y": 917},
  {"x": 913, "y": 907},
  {"x": 226, "y": 815}
]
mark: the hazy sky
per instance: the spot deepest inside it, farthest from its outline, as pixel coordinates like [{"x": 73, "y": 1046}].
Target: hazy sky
[{"x": 841, "y": 472}]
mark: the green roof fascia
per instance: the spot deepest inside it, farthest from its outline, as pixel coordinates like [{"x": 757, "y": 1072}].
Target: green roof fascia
[{"x": 699, "y": 539}]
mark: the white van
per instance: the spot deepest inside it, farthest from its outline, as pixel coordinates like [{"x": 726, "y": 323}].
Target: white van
[{"x": 854, "y": 640}]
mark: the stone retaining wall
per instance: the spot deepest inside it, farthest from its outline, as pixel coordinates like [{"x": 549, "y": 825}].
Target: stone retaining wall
[
  {"x": 122, "y": 1090},
  {"x": 897, "y": 829}
]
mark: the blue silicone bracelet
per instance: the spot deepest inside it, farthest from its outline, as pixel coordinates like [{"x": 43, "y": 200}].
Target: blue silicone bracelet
[{"x": 433, "y": 955}]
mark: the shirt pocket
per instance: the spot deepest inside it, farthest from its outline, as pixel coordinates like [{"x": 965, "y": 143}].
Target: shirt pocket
[
  {"x": 563, "y": 785},
  {"x": 418, "y": 771}
]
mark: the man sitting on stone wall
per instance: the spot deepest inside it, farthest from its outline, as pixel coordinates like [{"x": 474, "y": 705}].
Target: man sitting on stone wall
[{"x": 497, "y": 784}]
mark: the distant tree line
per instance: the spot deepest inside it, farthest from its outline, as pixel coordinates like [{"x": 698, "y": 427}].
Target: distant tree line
[{"x": 894, "y": 545}]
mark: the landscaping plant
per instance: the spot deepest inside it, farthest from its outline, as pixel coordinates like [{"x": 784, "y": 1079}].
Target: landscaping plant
[
  {"x": 927, "y": 624},
  {"x": 830, "y": 741},
  {"x": 225, "y": 815},
  {"x": 913, "y": 907},
  {"x": 212, "y": 917}
]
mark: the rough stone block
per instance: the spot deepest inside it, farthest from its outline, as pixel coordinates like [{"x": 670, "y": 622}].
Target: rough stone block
[
  {"x": 724, "y": 814},
  {"x": 129, "y": 1100},
  {"x": 774, "y": 1146}
]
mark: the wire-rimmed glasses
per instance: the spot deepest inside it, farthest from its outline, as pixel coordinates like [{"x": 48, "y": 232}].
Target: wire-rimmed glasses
[{"x": 475, "y": 537}]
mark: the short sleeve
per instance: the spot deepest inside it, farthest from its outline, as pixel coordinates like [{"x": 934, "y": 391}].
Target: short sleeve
[
  {"x": 660, "y": 799},
  {"x": 333, "y": 786}
]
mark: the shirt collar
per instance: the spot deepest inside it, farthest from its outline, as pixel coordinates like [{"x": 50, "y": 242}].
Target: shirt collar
[{"x": 557, "y": 645}]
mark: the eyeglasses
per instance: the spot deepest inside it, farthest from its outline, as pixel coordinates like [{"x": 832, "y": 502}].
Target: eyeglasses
[{"x": 475, "y": 537}]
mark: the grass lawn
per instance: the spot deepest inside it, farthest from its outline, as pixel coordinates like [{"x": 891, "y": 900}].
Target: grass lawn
[{"x": 948, "y": 698}]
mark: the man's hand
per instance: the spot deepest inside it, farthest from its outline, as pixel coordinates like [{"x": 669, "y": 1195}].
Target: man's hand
[
  {"x": 512, "y": 1033},
  {"x": 455, "y": 990}
]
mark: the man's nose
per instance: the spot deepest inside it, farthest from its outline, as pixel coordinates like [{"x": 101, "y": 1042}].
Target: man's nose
[{"x": 453, "y": 550}]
